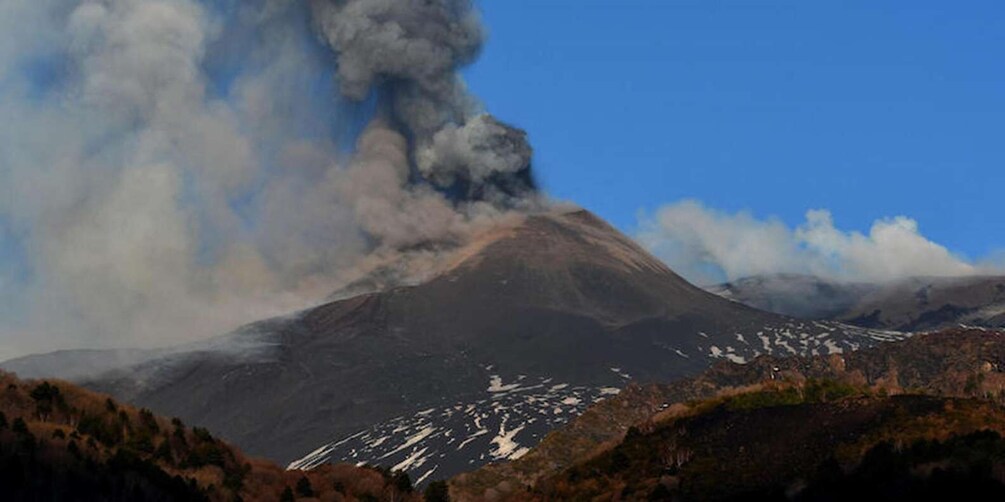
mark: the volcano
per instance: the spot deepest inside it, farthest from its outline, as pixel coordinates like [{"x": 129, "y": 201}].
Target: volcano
[{"x": 524, "y": 327}]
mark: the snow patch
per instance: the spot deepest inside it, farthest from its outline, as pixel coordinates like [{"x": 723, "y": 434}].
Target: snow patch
[
  {"x": 506, "y": 447},
  {"x": 414, "y": 460},
  {"x": 496, "y": 385}
]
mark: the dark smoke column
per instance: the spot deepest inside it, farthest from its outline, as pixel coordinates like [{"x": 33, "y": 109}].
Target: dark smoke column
[{"x": 408, "y": 52}]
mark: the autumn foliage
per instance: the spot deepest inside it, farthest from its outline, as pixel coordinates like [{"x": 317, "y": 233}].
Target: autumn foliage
[{"x": 61, "y": 442}]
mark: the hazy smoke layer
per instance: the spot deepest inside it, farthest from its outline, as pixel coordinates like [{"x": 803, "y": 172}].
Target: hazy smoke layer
[
  {"x": 709, "y": 246},
  {"x": 170, "y": 169}
]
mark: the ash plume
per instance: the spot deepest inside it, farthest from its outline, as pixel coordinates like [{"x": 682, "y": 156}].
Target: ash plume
[
  {"x": 171, "y": 169},
  {"x": 407, "y": 53}
]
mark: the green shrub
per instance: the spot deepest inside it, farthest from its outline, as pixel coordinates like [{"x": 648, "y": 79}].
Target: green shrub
[
  {"x": 822, "y": 391},
  {"x": 764, "y": 399}
]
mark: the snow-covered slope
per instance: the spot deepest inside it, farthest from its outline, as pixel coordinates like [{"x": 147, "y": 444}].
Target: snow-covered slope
[
  {"x": 512, "y": 416},
  {"x": 503, "y": 423}
]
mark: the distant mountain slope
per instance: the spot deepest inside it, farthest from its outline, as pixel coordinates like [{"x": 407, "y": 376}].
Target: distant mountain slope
[
  {"x": 954, "y": 363},
  {"x": 556, "y": 300},
  {"x": 799, "y": 296},
  {"x": 917, "y": 304},
  {"x": 59, "y": 442},
  {"x": 933, "y": 303}
]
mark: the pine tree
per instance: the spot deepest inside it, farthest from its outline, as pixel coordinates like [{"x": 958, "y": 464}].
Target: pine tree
[
  {"x": 20, "y": 427},
  {"x": 437, "y": 491},
  {"x": 304, "y": 488}
]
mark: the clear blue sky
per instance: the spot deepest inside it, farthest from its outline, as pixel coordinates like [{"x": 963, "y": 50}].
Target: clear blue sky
[{"x": 866, "y": 108}]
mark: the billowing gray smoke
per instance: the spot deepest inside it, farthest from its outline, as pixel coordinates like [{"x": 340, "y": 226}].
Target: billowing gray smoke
[
  {"x": 407, "y": 52},
  {"x": 170, "y": 169}
]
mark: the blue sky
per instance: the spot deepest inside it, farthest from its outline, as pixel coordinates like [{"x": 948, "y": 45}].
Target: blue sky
[{"x": 869, "y": 109}]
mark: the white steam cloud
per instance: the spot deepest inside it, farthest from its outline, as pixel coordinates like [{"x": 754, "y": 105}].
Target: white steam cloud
[
  {"x": 170, "y": 169},
  {"x": 709, "y": 246}
]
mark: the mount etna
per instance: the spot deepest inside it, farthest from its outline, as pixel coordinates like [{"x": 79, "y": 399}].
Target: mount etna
[
  {"x": 523, "y": 327},
  {"x": 302, "y": 260}
]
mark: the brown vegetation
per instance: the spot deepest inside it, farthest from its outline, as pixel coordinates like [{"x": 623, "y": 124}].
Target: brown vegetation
[
  {"x": 58, "y": 441},
  {"x": 773, "y": 442}
]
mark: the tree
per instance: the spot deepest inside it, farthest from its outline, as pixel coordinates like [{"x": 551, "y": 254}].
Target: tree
[
  {"x": 163, "y": 452},
  {"x": 402, "y": 482},
  {"x": 233, "y": 478},
  {"x": 148, "y": 420},
  {"x": 73, "y": 448},
  {"x": 437, "y": 491},
  {"x": 45, "y": 392},
  {"x": 661, "y": 492},
  {"x": 304, "y": 488},
  {"x": 20, "y": 427},
  {"x": 45, "y": 396}
]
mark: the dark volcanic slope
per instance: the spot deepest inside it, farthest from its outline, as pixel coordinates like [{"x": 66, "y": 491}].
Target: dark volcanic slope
[
  {"x": 916, "y": 304},
  {"x": 558, "y": 300}
]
